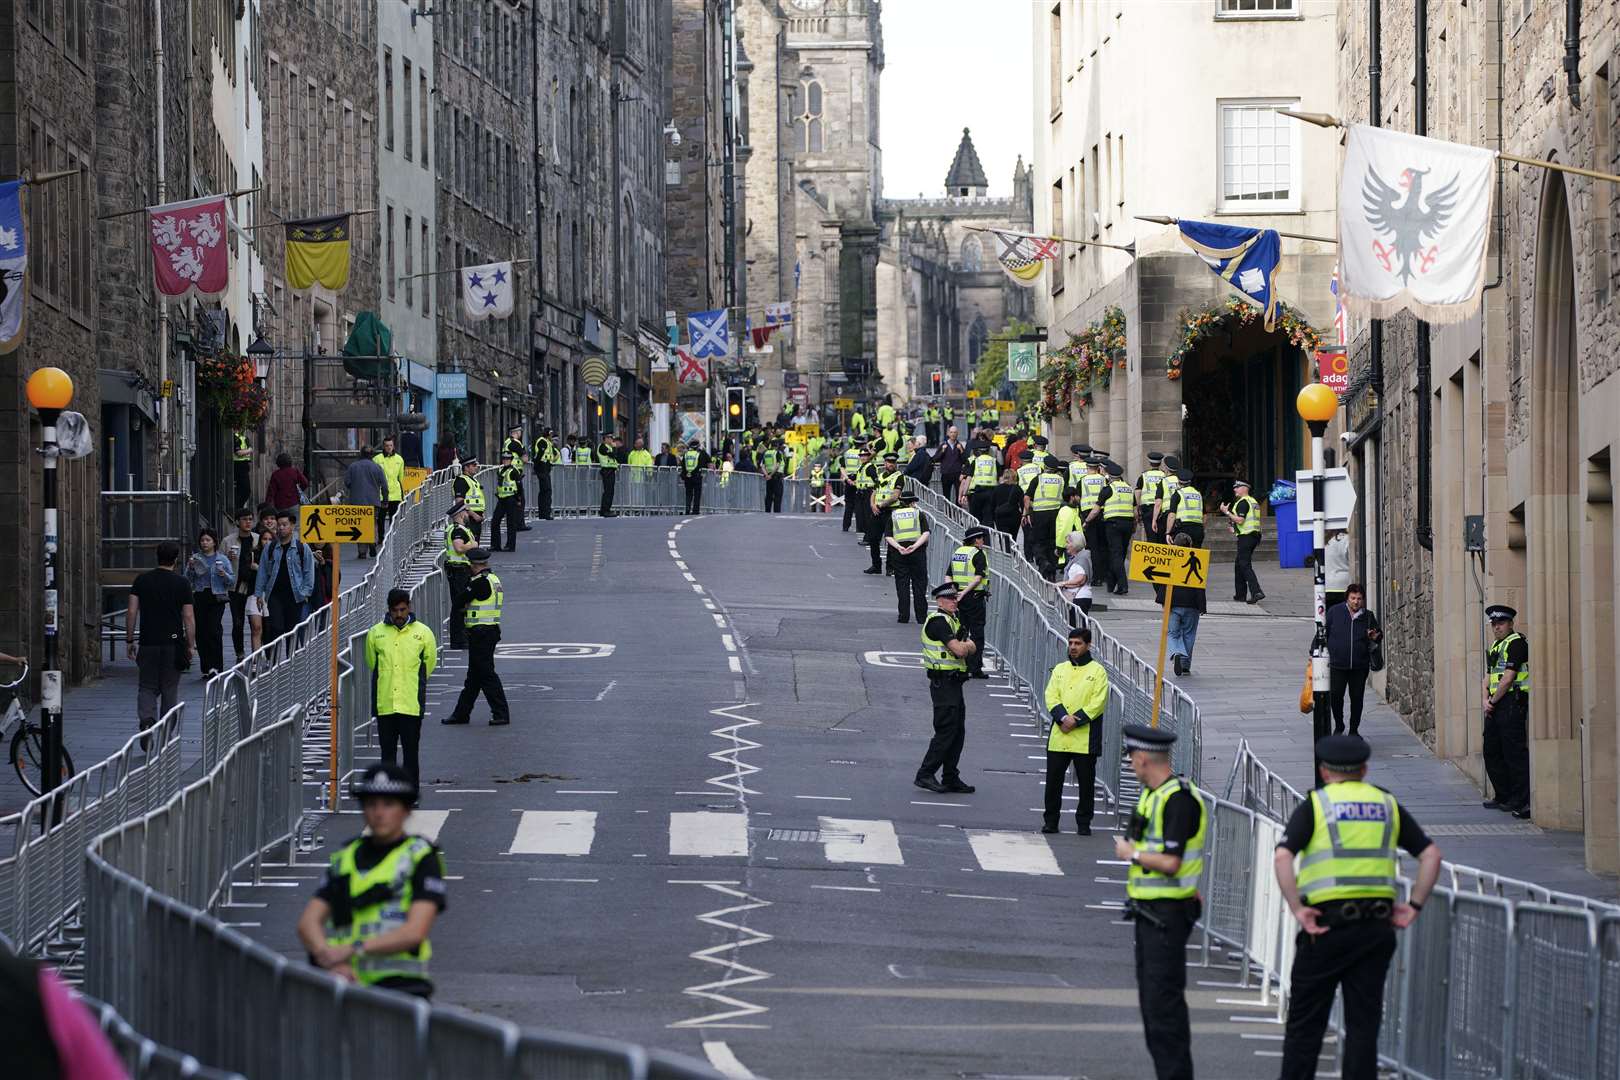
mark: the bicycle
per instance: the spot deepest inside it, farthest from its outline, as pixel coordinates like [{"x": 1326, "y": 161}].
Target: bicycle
[{"x": 28, "y": 744}]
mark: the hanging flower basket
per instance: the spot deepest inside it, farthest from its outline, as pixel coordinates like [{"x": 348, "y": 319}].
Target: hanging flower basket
[
  {"x": 226, "y": 387},
  {"x": 1223, "y": 316},
  {"x": 1086, "y": 362}
]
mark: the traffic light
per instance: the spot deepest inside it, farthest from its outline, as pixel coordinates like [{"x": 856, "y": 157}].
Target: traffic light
[
  {"x": 937, "y": 381},
  {"x": 736, "y": 408}
]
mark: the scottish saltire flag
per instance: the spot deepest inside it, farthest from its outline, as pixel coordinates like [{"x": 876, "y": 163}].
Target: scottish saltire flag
[
  {"x": 486, "y": 291},
  {"x": 1246, "y": 259},
  {"x": 1338, "y": 307},
  {"x": 710, "y": 332},
  {"x": 13, "y": 265}
]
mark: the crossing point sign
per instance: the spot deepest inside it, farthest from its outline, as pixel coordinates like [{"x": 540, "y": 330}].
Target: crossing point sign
[
  {"x": 335, "y": 523},
  {"x": 844, "y": 403},
  {"x": 1166, "y": 564}
]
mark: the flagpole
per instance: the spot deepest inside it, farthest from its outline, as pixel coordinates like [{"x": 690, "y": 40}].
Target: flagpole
[
  {"x": 457, "y": 270},
  {"x": 1159, "y": 219},
  {"x": 1129, "y": 249},
  {"x": 1328, "y": 120},
  {"x": 46, "y": 178},
  {"x": 144, "y": 209},
  {"x": 318, "y": 217}
]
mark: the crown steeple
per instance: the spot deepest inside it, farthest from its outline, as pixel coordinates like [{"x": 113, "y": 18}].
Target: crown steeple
[{"x": 967, "y": 174}]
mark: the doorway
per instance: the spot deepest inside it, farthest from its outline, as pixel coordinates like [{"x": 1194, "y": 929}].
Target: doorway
[{"x": 1238, "y": 393}]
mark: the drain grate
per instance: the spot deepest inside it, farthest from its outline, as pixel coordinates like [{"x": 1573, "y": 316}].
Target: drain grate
[
  {"x": 813, "y": 836},
  {"x": 1526, "y": 829}
]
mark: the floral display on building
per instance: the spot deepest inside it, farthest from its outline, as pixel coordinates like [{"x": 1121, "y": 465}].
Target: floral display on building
[
  {"x": 226, "y": 387},
  {"x": 1223, "y": 316},
  {"x": 1087, "y": 362}
]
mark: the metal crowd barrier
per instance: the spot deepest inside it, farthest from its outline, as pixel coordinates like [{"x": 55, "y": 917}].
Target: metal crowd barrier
[{"x": 576, "y": 491}]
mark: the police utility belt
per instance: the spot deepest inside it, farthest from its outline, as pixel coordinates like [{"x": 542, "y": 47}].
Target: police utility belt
[{"x": 1335, "y": 913}]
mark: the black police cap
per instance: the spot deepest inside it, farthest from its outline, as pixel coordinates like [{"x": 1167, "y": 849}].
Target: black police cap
[
  {"x": 1153, "y": 740},
  {"x": 1498, "y": 612},
  {"x": 1343, "y": 752},
  {"x": 1185, "y": 476},
  {"x": 1114, "y": 468},
  {"x": 947, "y": 591}
]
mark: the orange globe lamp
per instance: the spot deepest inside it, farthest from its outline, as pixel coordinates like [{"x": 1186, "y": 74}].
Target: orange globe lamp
[
  {"x": 50, "y": 389},
  {"x": 1316, "y": 403}
]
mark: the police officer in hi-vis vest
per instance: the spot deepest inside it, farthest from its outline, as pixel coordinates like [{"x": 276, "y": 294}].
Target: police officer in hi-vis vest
[
  {"x": 514, "y": 446},
  {"x": 483, "y": 617},
  {"x": 508, "y": 502},
  {"x": 1184, "y": 511},
  {"x": 1076, "y": 697},
  {"x": 970, "y": 570},
  {"x": 1119, "y": 521},
  {"x": 1343, "y": 892},
  {"x": 979, "y": 482},
  {"x": 242, "y": 466},
  {"x": 908, "y": 556},
  {"x": 1507, "y": 714},
  {"x": 946, "y": 650},
  {"x": 469, "y": 490},
  {"x": 458, "y": 541},
  {"x": 369, "y": 921},
  {"x": 1244, "y": 514},
  {"x": 1165, "y": 847},
  {"x": 546, "y": 454},
  {"x": 1149, "y": 488},
  {"x": 1044, "y": 495},
  {"x": 694, "y": 462}
]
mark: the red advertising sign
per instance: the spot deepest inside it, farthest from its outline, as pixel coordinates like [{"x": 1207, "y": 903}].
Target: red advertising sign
[{"x": 1334, "y": 369}]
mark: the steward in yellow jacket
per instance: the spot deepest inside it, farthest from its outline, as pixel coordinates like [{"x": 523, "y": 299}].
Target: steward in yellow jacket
[
  {"x": 1076, "y": 698},
  {"x": 401, "y": 654}
]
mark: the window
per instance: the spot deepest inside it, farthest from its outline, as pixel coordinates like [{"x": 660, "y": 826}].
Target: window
[
  {"x": 972, "y": 255},
  {"x": 1119, "y": 172},
  {"x": 427, "y": 282},
  {"x": 422, "y": 103},
  {"x": 1055, "y": 61},
  {"x": 393, "y": 282},
  {"x": 1259, "y": 156},
  {"x": 1256, "y": 9},
  {"x": 808, "y": 120},
  {"x": 1094, "y": 222},
  {"x": 388, "y": 99},
  {"x": 410, "y": 263},
  {"x": 1057, "y": 230},
  {"x": 405, "y": 115}
]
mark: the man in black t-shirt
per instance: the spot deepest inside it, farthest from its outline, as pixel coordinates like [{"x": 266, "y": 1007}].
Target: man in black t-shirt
[
  {"x": 160, "y": 606},
  {"x": 1507, "y": 714}
]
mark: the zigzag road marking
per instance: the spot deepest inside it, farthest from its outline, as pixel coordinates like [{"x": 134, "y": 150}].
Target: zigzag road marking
[
  {"x": 733, "y": 781},
  {"x": 736, "y": 973}
]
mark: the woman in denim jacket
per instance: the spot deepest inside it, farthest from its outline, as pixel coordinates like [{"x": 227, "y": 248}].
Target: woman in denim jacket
[{"x": 211, "y": 577}]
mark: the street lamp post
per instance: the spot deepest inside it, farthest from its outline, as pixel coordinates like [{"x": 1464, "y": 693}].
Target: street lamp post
[
  {"x": 1317, "y": 404},
  {"x": 50, "y": 390}
]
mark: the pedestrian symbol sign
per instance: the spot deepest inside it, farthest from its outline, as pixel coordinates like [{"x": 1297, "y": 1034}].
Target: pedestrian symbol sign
[
  {"x": 334, "y": 523},
  {"x": 844, "y": 403},
  {"x": 1165, "y": 564}
]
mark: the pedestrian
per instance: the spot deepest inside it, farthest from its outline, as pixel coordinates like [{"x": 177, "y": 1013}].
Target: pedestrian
[
  {"x": 970, "y": 572},
  {"x": 514, "y": 446},
  {"x": 951, "y": 457},
  {"x": 1344, "y": 894},
  {"x": 1119, "y": 520},
  {"x": 370, "y": 920},
  {"x": 160, "y": 608},
  {"x": 242, "y": 466},
  {"x": 666, "y": 458},
  {"x": 545, "y": 456},
  {"x": 1187, "y": 606},
  {"x": 640, "y": 457},
  {"x": 980, "y": 482},
  {"x": 50, "y": 1032},
  {"x": 1044, "y": 496},
  {"x": 458, "y": 542},
  {"x": 921, "y": 465},
  {"x": 1165, "y": 847},
  {"x": 210, "y": 575},
  {"x": 607, "y": 462},
  {"x": 946, "y": 651},
  {"x": 1244, "y": 514},
  {"x": 694, "y": 462},
  {"x": 570, "y": 449},
  {"x": 242, "y": 548},
  {"x": 1076, "y": 699},
  {"x": 287, "y": 484},
  {"x": 1507, "y": 714},
  {"x": 363, "y": 484},
  {"x": 1006, "y": 501},
  {"x": 1149, "y": 487},
  {"x": 410, "y": 444},
  {"x": 1075, "y": 585},
  {"x": 508, "y": 502},
  {"x": 286, "y": 577},
  {"x": 392, "y": 464},
  {"x": 1184, "y": 510},
  {"x": 401, "y": 653},
  {"x": 321, "y": 594},
  {"x": 468, "y": 489},
  {"x": 1352, "y": 634},
  {"x": 444, "y": 452},
  {"x": 484, "y": 596},
  {"x": 907, "y": 542},
  {"x": 1336, "y": 567}
]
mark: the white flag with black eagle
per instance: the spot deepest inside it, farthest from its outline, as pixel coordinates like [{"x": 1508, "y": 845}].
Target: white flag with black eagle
[
  {"x": 486, "y": 291},
  {"x": 1414, "y": 224}
]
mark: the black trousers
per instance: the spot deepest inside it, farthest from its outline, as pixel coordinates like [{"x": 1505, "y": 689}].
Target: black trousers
[
  {"x": 948, "y": 485},
  {"x": 1507, "y": 749},
  {"x": 911, "y": 582},
  {"x": 950, "y": 729},
  {"x": 157, "y": 687},
  {"x": 385, "y": 514},
  {"x": 863, "y": 509},
  {"x": 1194, "y": 532},
  {"x": 243, "y": 475},
  {"x": 981, "y": 505},
  {"x": 931, "y": 432},
  {"x": 510, "y": 511},
  {"x": 694, "y": 495},
  {"x": 240, "y": 625},
  {"x": 851, "y": 497},
  {"x": 281, "y": 618},
  {"x": 482, "y": 676},
  {"x": 610, "y": 478},
  {"x": 1058, "y": 764},
  {"x": 973, "y": 610},
  {"x": 1044, "y": 525},
  {"x": 209, "y": 610},
  {"x": 773, "y": 495},
  {"x": 398, "y": 730},
  {"x": 1161, "y": 985},
  {"x": 876, "y": 525},
  {"x": 1353, "y": 959},
  {"x": 457, "y": 578},
  {"x": 1119, "y": 531},
  {"x": 1102, "y": 574},
  {"x": 1245, "y": 583},
  {"x": 542, "y": 493},
  {"x": 1144, "y": 514},
  {"x": 1354, "y": 680}
]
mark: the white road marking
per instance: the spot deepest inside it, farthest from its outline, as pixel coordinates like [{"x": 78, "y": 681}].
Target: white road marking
[
  {"x": 824, "y": 798},
  {"x": 426, "y": 824},
  {"x": 878, "y": 843},
  {"x": 688, "y": 577},
  {"x": 701, "y": 881},
  {"x": 463, "y": 790},
  {"x": 570, "y": 791},
  {"x": 569, "y": 880},
  {"x": 725, "y": 1062},
  {"x": 706, "y": 834},
  {"x": 1013, "y": 852},
  {"x": 679, "y": 565},
  {"x": 736, "y": 973},
  {"x": 719, "y": 620},
  {"x": 729, "y": 642},
  {"x": 554, "y": 832},
  {"x": 696, "y": 587},
  {"x": 846, "y": 888},
  {"x": 975, "y": 896},
  {"x": 735, "y": 665},
  {"x": 923, "y": 802},
  {"x": 611, "y": 684},
  {"x": 709, "y": 604}
]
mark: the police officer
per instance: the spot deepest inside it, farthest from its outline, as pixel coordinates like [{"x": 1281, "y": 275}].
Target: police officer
[
  {"x": 242, "y": 466},
  {"x": 1079, "y": 463},
  {"x": 484, "y": 596},
  {"x": 908, "y": 555},
  {"x": 1165, "y": 846},
  {"x": 981, "y": 481},
  {"x": 1244, "y": 514},
  {"x": 885, "y": 492},
  {"x": 1119, "y": 520},
  {"x": 946, "y": 652},
  {"x": 607, "y": 462},
  {"x": 1148, "y": 492},
  {"x": 1184, "y": 512},
  {"x": 1043, "y": 498},
  {"x": 508, "y": 502},
  {"x": 1092, "y": 487},
  {"x": 931, "y": 418},
  {"x": 970, "y": 571},
  {"x": 1076, "y": 696},
  {"x": 458, "y": 541},
  {"x": 470, "y": 491},
  {"x": 1343, "y": 895},
  {"x": 865, "y": 480},
  {"x": 370, "y": 919},
  {"x": 1167, "y": 489},
  {"x": 849, "y": 464},
  {"x": 546, "y": 454},
  {"x": 818, "y": 486},
  {"x": 772, "y": 463},
  {"x": 514, "y": 446},
  {"x": 1507, "y": 712},
  {"x": 693, "y": 463}
]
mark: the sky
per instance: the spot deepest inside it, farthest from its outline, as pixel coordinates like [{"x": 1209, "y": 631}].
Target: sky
[{"x": 951, "y": 64}]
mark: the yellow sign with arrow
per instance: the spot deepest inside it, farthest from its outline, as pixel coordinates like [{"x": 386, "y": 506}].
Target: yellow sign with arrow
[
  {"x": 337, "y": 523},
  {"x": 1166, "y": 564}
]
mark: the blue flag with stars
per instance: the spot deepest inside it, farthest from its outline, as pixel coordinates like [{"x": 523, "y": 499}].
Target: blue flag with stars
[
  {"x": 1246, "y": 259},
  {"x": 486, "y": 291}
]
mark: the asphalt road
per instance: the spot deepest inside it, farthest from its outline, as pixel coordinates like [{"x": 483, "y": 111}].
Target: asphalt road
[{"x": 700, "y": 830}]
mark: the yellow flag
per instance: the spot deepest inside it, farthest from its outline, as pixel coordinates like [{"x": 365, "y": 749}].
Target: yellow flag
[{"x": 318, "y": 251}]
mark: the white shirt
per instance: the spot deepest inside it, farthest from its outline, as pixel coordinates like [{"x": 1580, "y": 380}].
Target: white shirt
[
  {"x": 1078, "y": 566},
  {"x": 1336, "y": 563}
]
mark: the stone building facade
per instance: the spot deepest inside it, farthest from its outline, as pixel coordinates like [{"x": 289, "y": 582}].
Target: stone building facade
[{"x": 1521, "y": 401}]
